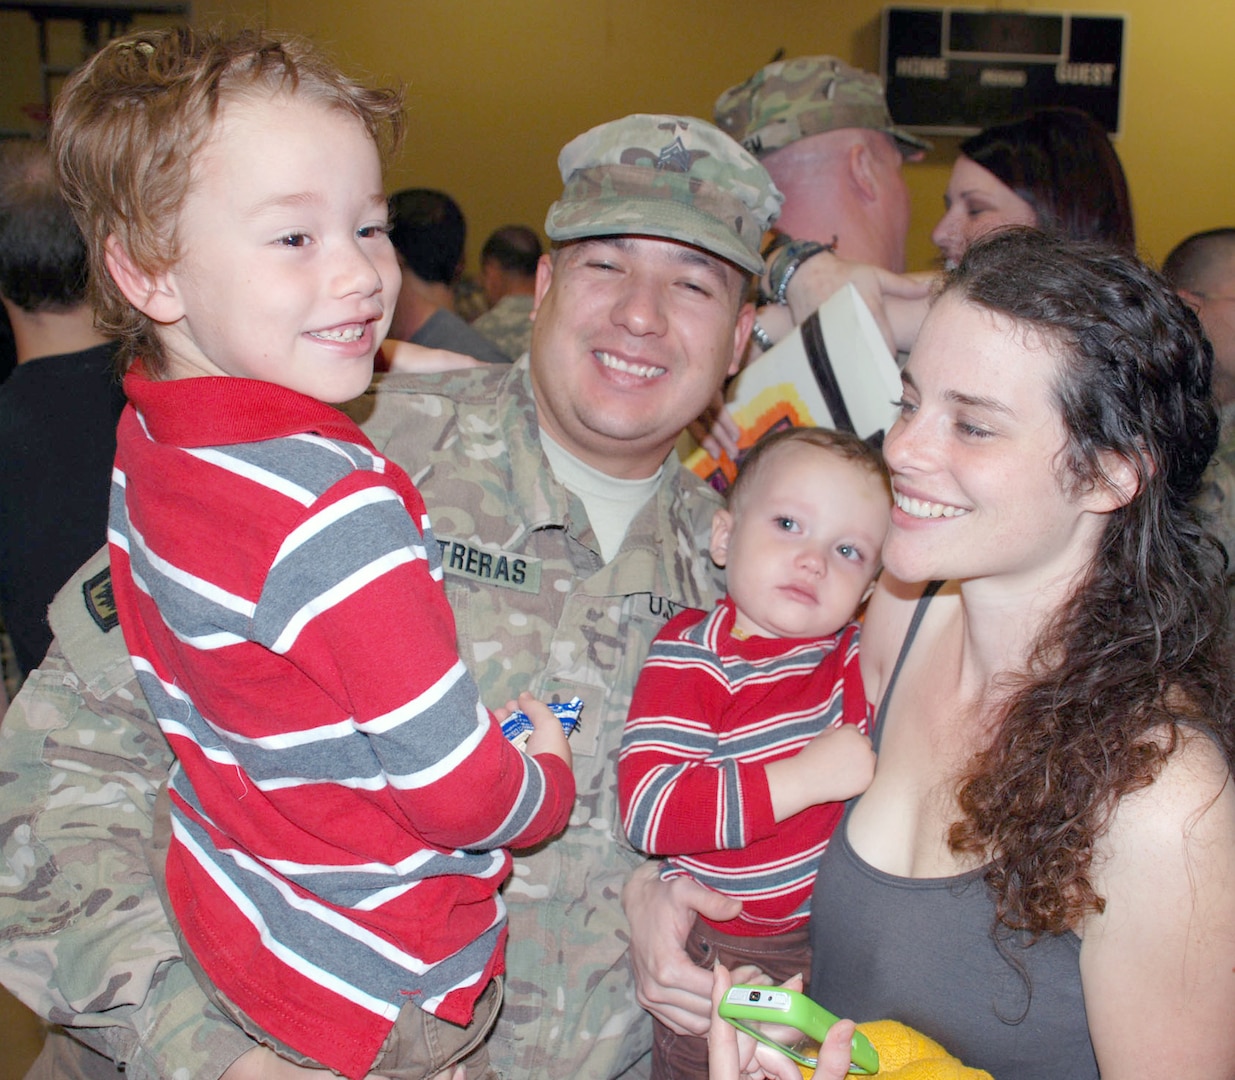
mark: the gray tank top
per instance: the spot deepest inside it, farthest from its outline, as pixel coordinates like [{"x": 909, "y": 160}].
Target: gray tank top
[{"x": 922, "y": 951}]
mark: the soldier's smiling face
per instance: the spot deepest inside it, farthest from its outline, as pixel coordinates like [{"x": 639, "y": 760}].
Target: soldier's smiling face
[{"x": 633, "y": 337}]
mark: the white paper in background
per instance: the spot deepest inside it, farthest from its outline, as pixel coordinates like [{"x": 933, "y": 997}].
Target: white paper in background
[{"x": 781, "y": 388}]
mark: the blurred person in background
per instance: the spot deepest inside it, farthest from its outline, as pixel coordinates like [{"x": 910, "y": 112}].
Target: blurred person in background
[
  {"x": 428, "y": 232},
  {"x": 1202, "y": 270},
  {"x": 58, "y": 408},
  {"x": 508, "y": 276}
]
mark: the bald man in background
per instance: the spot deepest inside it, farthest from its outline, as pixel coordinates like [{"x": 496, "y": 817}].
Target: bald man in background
[
  {"x": 822, "y": 129},
  {"x": 1202, "y": 270}
]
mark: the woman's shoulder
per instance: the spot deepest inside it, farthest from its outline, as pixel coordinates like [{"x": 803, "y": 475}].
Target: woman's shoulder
[
  {"x": 1191, "y": 795},
  {"x": 1157, "y": 963},
  {"x": 1181, "y": 823},
  {"x": 888, "y": 619}
]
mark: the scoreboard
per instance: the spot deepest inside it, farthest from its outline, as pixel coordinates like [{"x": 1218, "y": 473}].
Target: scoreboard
[{"x": 954, "y": 71}]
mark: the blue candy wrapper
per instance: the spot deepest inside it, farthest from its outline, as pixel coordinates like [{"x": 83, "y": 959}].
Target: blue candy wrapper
[{"x": 517, "y": 727}]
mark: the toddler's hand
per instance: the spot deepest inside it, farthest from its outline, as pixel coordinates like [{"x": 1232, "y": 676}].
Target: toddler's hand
[
  {"x": 547, "y": 735},
  {"x": 835, "y": 765},
  {"x": 841, "y": 762}
]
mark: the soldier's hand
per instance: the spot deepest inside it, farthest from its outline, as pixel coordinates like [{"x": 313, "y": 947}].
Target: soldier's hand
[{"x": 661, "y": 913}]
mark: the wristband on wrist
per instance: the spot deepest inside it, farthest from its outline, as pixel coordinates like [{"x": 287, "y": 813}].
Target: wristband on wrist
[
  {"x": 787, "y": 261},
  {"x": 778, "y": 241},
  {"x": 762, "y": 338}
]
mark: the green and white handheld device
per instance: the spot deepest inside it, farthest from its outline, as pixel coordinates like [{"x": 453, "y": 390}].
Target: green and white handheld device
[{"x": 792, "y": 1023}]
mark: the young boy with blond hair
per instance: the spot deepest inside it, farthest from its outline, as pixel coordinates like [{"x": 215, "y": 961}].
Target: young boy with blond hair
[
  {"x": 748, "y": 728},
  {"x": 337, "y": 821}
]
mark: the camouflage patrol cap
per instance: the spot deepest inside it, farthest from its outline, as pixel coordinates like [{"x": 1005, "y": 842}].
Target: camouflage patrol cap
[
  {"x": 674, "y": 177},
  {"x": 791, "y": 99}
]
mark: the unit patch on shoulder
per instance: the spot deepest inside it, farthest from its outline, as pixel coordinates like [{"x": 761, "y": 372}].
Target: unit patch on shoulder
[
  {"x": 490, "y": 566},
  {"x": 100, "y": 601}
]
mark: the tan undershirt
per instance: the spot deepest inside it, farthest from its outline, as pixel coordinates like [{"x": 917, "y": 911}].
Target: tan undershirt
[{"x": 611, "y": 503}]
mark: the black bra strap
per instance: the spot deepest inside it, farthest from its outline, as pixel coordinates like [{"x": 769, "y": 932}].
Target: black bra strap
[{"x": 918, "y": 613}]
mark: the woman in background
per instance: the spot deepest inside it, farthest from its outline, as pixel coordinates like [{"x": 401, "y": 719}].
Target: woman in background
[{"x": 1055, "y": 170}]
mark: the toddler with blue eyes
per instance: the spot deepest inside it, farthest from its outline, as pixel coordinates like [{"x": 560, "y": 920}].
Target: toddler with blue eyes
[{"x": 749, "y": 724}]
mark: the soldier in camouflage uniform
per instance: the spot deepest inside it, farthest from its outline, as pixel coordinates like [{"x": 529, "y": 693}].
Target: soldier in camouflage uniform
[
  {"x": 633, "y": 335},
  {"x": 789, "y": 100},
  {"x": 508, "y": 324},
  {"x": 822, "y": 129},
  {"x": 508, "y": 263}
]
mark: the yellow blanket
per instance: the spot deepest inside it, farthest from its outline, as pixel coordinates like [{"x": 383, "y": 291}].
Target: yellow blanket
[{"x": 905, "y": 1054}]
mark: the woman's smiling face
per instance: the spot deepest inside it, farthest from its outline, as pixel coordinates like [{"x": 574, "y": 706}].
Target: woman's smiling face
[{"x": 976, "y": 456}]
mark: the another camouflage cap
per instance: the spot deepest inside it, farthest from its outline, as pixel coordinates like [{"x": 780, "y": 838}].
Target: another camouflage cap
[
  {"x": 668, "y": 176},
  {"x": 791, "y": 99}
]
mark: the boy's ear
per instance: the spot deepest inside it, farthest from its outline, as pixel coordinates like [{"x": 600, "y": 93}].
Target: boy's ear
[
  {"x": 154, "y": 295},
  {"x": 722, "y": 526}
]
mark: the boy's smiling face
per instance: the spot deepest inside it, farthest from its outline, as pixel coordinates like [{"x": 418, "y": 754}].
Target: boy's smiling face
[{"x": 286, "y": 271}]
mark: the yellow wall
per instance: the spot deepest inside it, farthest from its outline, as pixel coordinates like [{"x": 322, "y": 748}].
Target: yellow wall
[
  {"x": 495, "y": 87},
  {"x": 21, "y": 86}
]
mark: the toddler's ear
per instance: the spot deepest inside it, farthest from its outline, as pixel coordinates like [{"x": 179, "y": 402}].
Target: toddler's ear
[
  {"x": 722, "y": 526},
  {"x": 153, "y": 295}
]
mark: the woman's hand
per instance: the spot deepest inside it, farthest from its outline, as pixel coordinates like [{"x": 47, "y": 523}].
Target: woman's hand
[
  {"x": 897, "y": 301},
  {"x": 716, "y": 430},
  {"x": 733, "y": 1055}
]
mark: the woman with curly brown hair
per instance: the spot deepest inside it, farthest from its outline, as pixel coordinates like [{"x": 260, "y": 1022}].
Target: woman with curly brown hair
[{"x": 1042, "y": 875}]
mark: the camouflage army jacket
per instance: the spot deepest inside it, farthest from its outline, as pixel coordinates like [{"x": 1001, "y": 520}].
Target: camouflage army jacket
[
  {"x": 508, "y": 324},
  {"x": 536, "y": 607},
  {"x": 84, "y": 939}
]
